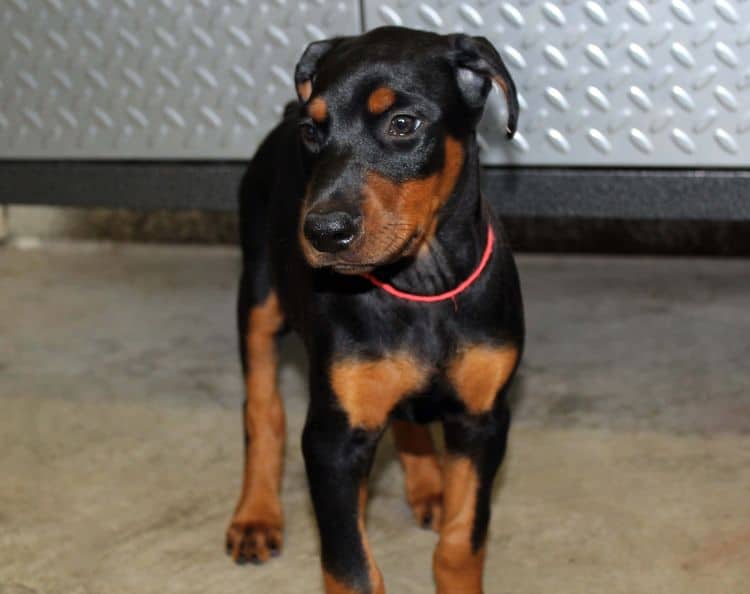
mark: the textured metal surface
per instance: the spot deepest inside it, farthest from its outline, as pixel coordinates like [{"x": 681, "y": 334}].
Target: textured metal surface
[
  {"x": 513, "y": 191},
  {"x": 603, "y": 82},
  {"x": 161, "y": 79},
  {"x": 608, "y": 82}
]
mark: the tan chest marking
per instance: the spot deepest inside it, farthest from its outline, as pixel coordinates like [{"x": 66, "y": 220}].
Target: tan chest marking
[
  {"x": 478, "y": 372},
  {"x": 368, "y": 390}
]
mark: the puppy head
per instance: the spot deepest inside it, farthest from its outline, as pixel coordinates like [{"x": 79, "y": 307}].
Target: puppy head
[{"x": 384, "y": 121}]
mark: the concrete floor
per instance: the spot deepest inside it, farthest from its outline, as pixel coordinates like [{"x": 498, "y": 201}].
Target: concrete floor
[{"x": 120, "y": 436}]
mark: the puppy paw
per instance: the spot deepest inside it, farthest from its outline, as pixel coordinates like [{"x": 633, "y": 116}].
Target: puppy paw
[{"x": 254, "y": 542}]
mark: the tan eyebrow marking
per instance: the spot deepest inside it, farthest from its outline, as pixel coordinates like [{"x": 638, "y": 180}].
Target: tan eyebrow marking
[
  {"x": 381, "y": 99},
  {"x": 318, "y": 109}
]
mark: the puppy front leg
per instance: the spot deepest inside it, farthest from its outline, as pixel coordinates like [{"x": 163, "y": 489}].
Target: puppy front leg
[
  {"x": 338, "y": 460},
  {"x": 349, "y": 407},
  {"x": 255, "y": 532},
  {"x": 475, "y": 448}
]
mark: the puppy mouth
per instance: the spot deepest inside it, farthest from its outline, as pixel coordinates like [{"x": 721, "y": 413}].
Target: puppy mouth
[
  {"x": 405, "y": 250},
  {"x": 353, "y": 269}
]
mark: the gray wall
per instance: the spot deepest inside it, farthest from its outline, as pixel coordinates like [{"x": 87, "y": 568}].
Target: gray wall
[{"x": 607, "y": 83}]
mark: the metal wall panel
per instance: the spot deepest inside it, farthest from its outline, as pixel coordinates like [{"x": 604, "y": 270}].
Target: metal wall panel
[
  {"x": 152, "y": 79},
  {"x": 603, "y": 82},
  {"x": 608, "y": 82}
]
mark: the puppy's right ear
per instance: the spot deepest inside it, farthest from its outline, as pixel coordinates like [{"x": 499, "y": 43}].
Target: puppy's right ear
[
  {"x": 478, "y": 64},
  {"x": 304, "y": 73}
]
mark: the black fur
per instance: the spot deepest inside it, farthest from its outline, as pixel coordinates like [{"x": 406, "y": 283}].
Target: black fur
[{"x": 344, "y": 315}]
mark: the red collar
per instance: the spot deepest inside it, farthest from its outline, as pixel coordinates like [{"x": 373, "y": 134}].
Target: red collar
[{"x": 453, "y": 293}]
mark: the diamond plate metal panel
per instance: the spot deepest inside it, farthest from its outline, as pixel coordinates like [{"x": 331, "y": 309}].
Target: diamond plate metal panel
[
  {"x": 608, "y": 82},
  {"x": 162, "y": 79}
]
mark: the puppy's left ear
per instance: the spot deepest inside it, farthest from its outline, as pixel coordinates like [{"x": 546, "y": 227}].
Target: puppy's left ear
[
  {"x": 304, "y": 73},
  {"x": 477, "y": 64}
]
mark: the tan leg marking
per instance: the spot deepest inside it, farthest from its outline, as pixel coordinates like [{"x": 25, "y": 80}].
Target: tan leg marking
[
  {"x": 377, "y": 586},
  {"x": 376, "y": 578},
  {"x": 478, "y": 372},
  {"x": 368, "y": 390},
  {"x": 380, "y": 100},
  {"x": 458, "y": 570},
  {"x": 256, "y": 528},
  {"x": 333, "y": 586},
  {"x": 424, "y": 482}
]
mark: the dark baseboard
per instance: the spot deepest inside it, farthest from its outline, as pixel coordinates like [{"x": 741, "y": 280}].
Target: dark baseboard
[
  {"x": 620, "y": 194},
  {"x": 629, "y": 236}
]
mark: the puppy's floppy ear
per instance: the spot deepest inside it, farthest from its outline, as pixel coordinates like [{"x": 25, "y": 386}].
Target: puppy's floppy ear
[
  {"x": 304, "y": 73},
  {"x": 477, "y": 64}
]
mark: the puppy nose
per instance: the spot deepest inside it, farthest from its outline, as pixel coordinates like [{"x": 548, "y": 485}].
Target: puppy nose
[{"x": 332, "y": 231}]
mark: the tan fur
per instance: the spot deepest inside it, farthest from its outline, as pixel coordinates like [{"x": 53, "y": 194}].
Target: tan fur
[
  {"x": 458, "y": 570},
  {"x": 333, "y": 586},
  {"x": 424, "y": 483},
  {"x": 304, "y": 90},
  {"x": 380, "y": 100},
  {"x": 478, "y": 372},
  {"x": 398, "y": 218},
  {"x": 367, "y": 390},
  {"x": 318, "y": 109},
  {"x": 502, "y": 84},
  {"x": 376, "y": 578},
  {"x": 395, "y": 213},
  {"x": 259, "y": 509},
  {"x": 377, "y": 586}
]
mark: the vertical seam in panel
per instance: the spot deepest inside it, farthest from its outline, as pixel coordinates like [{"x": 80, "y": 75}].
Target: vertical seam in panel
[{"x": 362, "y": 22}]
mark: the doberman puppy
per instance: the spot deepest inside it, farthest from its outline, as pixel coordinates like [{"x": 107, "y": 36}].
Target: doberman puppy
[{"x": 363, "y": 229}]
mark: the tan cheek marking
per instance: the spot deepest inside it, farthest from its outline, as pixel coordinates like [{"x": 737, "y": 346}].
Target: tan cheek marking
[
  {"x": 458, "y": 569},
  {"x": 422, "y": 198},
  {"x": 443, "y": 186},
  {"x": 304, "y": 90},
  {"x": 380, "y": 100},
  {"x": 410, "y": 206},
  {"x": 318, "y": 109},
  {"x": 478, "y": 372},
  {"x": 368, "y": 390}
]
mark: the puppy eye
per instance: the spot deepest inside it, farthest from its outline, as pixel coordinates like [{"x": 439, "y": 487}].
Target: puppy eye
[
  {"x": 403, "y": 125},
  {"x": 308, "y": 133}
]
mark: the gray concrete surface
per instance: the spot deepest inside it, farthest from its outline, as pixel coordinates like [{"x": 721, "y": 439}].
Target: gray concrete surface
[
  {"x": 120, "y": 437},
  {"x": 166, "y": 226}
]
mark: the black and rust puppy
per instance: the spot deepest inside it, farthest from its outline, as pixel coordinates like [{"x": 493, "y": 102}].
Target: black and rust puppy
[{"x": 363, "y": 230}]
